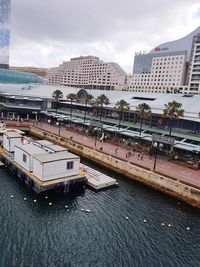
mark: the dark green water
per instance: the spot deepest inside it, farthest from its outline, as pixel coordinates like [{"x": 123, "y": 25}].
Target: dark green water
[{"x": 36, "y": 234}]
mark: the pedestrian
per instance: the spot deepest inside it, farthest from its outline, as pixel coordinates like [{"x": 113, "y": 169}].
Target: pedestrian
[
  {"x": 141, "y": 157},
  {"x": 116, "y": 150},
  {"x": 132, "y": 152},
  {"x": 138, "y": 156}
]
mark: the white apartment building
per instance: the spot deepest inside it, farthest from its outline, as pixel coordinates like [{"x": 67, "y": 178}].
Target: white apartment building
[
  {"x": 173, "y": 67},
  {"x": 88, "y": 72}
]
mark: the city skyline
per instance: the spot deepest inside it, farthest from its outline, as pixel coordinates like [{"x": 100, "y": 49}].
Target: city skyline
[{"x": 112, "y": 31}]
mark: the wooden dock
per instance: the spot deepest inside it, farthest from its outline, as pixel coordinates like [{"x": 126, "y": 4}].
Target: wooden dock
[{"x": 98, "y": 180}]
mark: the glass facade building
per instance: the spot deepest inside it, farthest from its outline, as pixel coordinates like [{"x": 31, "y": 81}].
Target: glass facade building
[
  {"x": 15, "y": 77},
  {"x": 4, "y": 33}
]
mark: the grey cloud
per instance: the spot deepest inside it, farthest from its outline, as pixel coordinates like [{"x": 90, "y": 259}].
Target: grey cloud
[
  {"x": 89, "y": 20},
  {"x": 88, "y": 25}
]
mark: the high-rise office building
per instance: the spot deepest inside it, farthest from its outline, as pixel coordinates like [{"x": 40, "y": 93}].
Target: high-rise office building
[
  {"x": 171, "y": 67},
  {"x": 4, "y": 33}
]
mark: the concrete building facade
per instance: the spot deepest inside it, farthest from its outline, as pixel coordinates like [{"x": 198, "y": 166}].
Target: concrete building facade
[
  {"x": 88, "y": 72},
  {"x": 173, "y": 67}
]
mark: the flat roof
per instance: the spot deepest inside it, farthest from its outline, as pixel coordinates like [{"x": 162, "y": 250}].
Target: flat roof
[
  {"x": 31, "y": 149},
  {"x": 56, "y": 157},
  {"x": 43, "y": 142},
  {"x": 56, "y": 148},
  {"x": 13, "y": 134}
]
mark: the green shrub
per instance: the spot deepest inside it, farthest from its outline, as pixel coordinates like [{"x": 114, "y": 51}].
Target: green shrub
[
  {"x": 152, "y": 150},
  {"x": 171, "y": 155}
]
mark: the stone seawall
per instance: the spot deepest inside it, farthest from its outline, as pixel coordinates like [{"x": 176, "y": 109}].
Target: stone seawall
[{"x": 169, "y": 186}]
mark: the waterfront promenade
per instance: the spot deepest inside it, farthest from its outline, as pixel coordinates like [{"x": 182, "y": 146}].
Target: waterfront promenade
[
  {"x": 170, "y": 169},
  {"x": 167, "y": 168}
]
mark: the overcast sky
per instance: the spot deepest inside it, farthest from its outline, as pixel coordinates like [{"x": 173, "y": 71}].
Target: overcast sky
[{"x": 46, "y": 32}]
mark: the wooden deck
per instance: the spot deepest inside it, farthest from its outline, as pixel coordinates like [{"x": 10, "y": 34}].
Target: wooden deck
[{"x": 98, "y": 180}]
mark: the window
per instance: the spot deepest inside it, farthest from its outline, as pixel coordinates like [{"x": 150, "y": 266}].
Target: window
[
  {"x": 24, "y": 158},
  {"x": 70, "y": 165}
]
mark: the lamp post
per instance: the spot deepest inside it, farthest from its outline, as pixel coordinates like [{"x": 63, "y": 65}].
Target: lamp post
[
  {"x": 156, "y": 145},
  {"x": 59, "y": 127},
  {"x": 95, "y": 140},
  {"x": 36, "y": 116}
]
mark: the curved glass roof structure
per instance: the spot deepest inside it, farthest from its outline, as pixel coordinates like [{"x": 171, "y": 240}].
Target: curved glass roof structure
[{"x": 15, "y": 77}]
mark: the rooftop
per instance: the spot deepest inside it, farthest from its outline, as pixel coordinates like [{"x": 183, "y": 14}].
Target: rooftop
[
  {"x": 156, "y": 101},
  {"x": 43, "y": 142},
  {"x": 31, "y": 149},
  {"x": 56, "y": 156},
  {"x": 13, "y": 134},
  {"x": 16, "y": 77},
  {"x": 55, "y": 148}
]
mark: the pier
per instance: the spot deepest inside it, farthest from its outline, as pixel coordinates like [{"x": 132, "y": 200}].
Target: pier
[{"x": 98, "y": 180}]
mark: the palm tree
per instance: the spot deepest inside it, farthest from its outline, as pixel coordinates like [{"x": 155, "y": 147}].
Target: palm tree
[
  {"x": 72, "y": 97},
  {"x": 88, "y": 98},
  {"x": 143, "y": 111},
  {"x": 102, "y": 100},
  {"x": 121, "y": 106},
  {"x": 57, "y": 94},
  {"x": 173, "y": 111}
]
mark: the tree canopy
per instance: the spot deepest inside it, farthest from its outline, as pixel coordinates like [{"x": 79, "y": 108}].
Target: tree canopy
[
  {"x": 57, "y": 94},
  {"x": 143, "y": 111},
  {"x": 173, "y": 110},
  {"x": 72, "y": 97},
  {"x": 102, "y": 100},
  {"x": 122, "y": 105}
]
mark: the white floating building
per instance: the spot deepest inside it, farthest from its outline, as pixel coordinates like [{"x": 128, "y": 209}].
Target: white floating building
[
  {"x": 40, "y": 169},
  {"x": 10, "y": 140},
  {"x": 24, "y": 154},
  {"x": 53, "y": 166}
]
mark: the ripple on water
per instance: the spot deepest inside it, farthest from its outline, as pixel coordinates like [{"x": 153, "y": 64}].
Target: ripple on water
[{"x": 36, "y": 234}]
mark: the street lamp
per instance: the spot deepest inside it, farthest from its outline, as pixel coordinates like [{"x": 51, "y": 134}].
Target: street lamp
[
  {"x": 59, "y": 127},
  {"x": 95, "y": 140},
  {"x": 36, "y": 116},
  {"x": 156, "y": 145}
]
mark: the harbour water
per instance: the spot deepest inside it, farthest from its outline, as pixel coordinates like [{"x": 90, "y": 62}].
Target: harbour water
[{"x": 37, "y": 234}]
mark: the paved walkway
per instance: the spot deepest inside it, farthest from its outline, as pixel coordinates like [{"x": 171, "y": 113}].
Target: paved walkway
[{"x": 170, "y": 169}]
